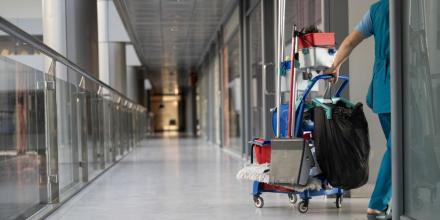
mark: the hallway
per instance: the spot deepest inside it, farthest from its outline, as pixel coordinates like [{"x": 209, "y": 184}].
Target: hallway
[{"x": 186, "y": 179}]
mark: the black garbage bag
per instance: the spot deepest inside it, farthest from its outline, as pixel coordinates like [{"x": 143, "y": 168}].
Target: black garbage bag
[{"x": 342, "y": 145}]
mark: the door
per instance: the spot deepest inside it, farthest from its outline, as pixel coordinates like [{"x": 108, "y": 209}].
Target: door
[{"x": 421, "y": 104}]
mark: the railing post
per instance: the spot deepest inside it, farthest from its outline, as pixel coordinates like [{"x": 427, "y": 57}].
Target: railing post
[
  {"x": 82, "y": 130},
  {"x": 100, "y": 131},
  {"x": 113, "y": 146},
  {"x": 51, "y": 141}
]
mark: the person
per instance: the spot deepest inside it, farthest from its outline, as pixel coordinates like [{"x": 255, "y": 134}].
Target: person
[{"x": 375, "y": 23}]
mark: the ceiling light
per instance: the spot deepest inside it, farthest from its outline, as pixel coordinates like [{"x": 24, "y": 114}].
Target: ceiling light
[{"x": 174, "y": 28}]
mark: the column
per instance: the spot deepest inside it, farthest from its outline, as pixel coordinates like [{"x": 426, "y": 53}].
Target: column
[
  {"x": 189, "y": 100},
  {"x": 132, "y": 83},
  {"x": 112, "y": 57},
  {"x": 70, "y": 27}
]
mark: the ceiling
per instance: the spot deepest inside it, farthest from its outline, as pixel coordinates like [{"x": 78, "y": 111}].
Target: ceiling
[{"x": 171, "y": 36}]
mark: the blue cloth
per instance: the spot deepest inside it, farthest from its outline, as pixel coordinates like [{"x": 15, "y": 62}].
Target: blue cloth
[
  {"x": 378, "y": 97},
  {"x": 382, "y": 191},
  {"x": 365, "y": 26}
]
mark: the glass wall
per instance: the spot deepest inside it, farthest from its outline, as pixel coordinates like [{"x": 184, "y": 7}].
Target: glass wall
[
  {"x": 255, "y": 68},
  {"x": 220, "y": 109},
  {"x": 215, "y": 98},
  {"x": 232, "y": 97},
  {"x": 209, "y": 95},
  {"x": 202, "y": 97},
  {"x": 421, "y": 98},
  {"x": 303, "y": 13}
]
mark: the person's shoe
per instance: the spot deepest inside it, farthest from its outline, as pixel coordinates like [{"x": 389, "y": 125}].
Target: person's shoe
[
  {"x": 389, "y": 214},
  {"x": 380, "y": 215}
]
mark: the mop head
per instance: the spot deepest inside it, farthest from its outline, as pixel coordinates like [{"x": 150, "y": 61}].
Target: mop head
[
  {"x": 260, "y": 173},
  {"x": 255, "y": 172}
]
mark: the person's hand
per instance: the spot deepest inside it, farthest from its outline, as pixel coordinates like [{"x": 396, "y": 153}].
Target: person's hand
[{"x": 335, "y": 71}]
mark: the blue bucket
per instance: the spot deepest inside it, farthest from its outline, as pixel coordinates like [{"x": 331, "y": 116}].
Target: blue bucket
[{"x": 284, "y": 120}]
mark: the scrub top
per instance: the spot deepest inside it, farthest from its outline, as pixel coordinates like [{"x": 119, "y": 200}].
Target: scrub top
[{"x": 376, "y": 23}]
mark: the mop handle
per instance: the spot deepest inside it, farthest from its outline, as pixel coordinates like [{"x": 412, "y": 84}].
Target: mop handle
[
  {"x": 291, "y": 116},
  {"x": 279, "y": 58}
]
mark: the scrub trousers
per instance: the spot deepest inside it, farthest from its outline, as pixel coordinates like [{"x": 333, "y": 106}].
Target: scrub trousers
[{"x": 382, "y": 191}]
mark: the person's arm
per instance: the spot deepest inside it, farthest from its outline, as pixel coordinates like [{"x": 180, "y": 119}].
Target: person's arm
[
  {"x": 344, "y": 51},
  {"x": 363, "y": 30}
]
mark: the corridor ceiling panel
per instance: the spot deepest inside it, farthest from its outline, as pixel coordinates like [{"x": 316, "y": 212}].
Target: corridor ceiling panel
[{"x": 172, "y": 34}]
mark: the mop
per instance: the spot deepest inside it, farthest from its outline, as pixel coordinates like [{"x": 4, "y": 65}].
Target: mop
[
  {"x": 261, "y": 173},
  {"x": 255, "y": 172}
]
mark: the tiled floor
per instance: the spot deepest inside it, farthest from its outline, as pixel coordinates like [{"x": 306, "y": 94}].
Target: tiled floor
[{"x": 187, "y": 179}]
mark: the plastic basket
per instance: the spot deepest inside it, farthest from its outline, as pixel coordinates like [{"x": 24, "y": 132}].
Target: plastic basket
[{"x": 317, "y": 40}]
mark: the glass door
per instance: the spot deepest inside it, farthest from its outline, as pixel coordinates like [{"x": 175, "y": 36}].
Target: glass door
[
  {"x": 421, "y": 104},
  {"x": 232, "y": 109},
  {"x": 255, "y": 68}
]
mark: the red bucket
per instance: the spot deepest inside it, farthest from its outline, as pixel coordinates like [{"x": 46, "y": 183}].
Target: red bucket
[
  {"x": 317, "y": 40},
  {"x": 262, "y": 150}
]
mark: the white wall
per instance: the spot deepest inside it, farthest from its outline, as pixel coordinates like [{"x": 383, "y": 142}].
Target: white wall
[
  {"x": 20, "y": 8},
  {"x": 26, "y": 14},
  {"x": 110, "y": 26},
  {"x": 34, "y": 61},
  {"x": 131, "y": 57},
  {"x": 361, "y": 65}
]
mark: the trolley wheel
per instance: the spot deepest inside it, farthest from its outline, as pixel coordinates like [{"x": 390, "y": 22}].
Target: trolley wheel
[
  {"x": 339, "y": 199},
  {"x": 293, "y": 198},
  {"x": 303, "y": 206},
  {"x": 258, "y": 201}
]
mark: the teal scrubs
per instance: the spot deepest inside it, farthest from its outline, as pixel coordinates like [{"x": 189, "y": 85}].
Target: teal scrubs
[{"x": 376, "y": 22}]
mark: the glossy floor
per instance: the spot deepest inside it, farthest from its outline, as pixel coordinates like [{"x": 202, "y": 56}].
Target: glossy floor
[{"x": 187, "y": 179}]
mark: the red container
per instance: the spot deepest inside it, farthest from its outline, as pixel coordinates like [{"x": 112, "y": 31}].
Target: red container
[
  {"x": 317, "y": 40},
  {"x": 276, "y": 188},
  {"x": 262, "y": 150}
]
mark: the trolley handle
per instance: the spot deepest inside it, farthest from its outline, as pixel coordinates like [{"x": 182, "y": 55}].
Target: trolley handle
[
  {"x": 344, "y": 84},
  {"x": 300, "y": 109}
]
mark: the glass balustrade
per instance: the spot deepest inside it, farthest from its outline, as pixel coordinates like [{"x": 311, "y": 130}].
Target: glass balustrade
[
  {"x": 21, "y": 131},
  {"x": 59, "y": 129}
]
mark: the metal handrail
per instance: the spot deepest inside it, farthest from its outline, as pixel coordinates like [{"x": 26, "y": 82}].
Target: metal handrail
[{"x": 22, "y": 35}]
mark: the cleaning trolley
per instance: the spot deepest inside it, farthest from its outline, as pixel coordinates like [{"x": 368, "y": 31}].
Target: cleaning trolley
[{"x": 290, "y": 163}]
